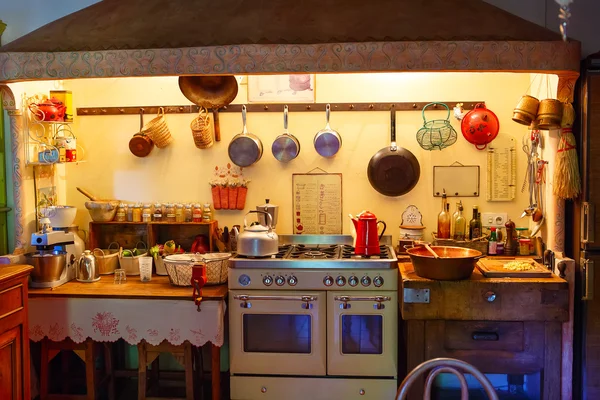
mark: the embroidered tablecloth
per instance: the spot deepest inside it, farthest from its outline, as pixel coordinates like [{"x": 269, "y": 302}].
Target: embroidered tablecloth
[{"x": 107, "y": 320}]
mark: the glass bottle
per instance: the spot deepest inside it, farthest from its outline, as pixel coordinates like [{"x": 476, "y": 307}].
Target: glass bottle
[
  {"x": 179, "y": 214},
  {"x": 460, "y": 224},
  {"x": 147, "y": 213},
  {"x": 137, "y": 213},
  {"x": 493, "y": 243},
  {"x": 188, "y": 212},
  {"x": 121, "y": 213},
  {"x": 129, "y": 212},
  {"x": 207, "y": 213},
  {"x": 197, "y": 213},
  {"x": 475, "y": 225},
  {"x": 170, "y": 212},
  {"x": 443, "y": 227},
  {"x": 158, "y": 215},
  {"x": 453, "y": 219}
]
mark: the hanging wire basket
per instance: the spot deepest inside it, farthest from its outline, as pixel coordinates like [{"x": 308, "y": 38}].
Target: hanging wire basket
[{"x": 436, "y": 134}]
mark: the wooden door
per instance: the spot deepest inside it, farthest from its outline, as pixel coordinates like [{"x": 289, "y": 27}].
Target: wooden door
[{"x": 11, "y": 354}]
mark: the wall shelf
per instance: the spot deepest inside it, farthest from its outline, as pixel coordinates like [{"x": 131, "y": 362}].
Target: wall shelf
[{"x": 293, "y": 107}]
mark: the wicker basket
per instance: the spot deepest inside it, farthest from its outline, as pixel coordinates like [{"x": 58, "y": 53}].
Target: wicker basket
[
  {"x": 157, "y": 130},
  {"x": 159, "y": 263},
  {"x": 217, "y": 267},
  {"x": 179, "y": 268},
  {"x": 131, "y": 265},
  {"x": 107, "y": 260},
  {"x": 200, "y": 126}
]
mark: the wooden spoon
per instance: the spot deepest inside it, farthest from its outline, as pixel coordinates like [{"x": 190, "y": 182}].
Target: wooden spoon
[
  {"x": 435, "y": 255},
  {"x": 87, "y": 194}
]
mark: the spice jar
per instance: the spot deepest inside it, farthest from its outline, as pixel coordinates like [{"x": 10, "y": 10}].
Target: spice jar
[
  {"x": 170, "y": 212},
  {"x": 137, "y": 213},
  {"x": 188, "y": 212},
  {"x": 129, "y": 212},
  {"x": 197, "y": 213},
  {"x": 207, "y": 213},
  {"x": 147, "y": 213},
  {"x": 524, "y": 247},
  {"x": 179, "y": 215},
  {"x": 158, "y": 215},
  {"x": 121, "y": 213}
]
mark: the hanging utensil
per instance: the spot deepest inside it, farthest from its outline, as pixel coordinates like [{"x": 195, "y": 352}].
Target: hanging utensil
[
  {"x": 327, "y": 141},
  {"x": 245, "y": 148},
  {"x": 480, "y": 126},
  {"x": 285, "y": 146},
  {"x": 140, "y": 144},
  {"x": 211, "y": 91},
  {"x": 393, "y": 171}
]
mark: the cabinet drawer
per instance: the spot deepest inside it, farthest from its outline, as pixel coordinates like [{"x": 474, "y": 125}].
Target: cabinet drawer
[
  {"x": 483, "y": 335},
  {"x": 11, "y": 300}
]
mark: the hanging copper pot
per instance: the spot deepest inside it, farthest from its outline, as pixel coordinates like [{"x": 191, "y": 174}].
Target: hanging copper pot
[{"x": 480, "y": 126}]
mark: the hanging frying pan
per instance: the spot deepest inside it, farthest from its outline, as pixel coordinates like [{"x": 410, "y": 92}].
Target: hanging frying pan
[
  {"x": 393, "y": 171},
  {"x": 210, "y": 91},
  {"x": 245, "y": 148},
  {"x": 285, "y": 146}
]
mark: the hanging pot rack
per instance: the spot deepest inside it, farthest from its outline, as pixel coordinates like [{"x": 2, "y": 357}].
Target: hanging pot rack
[{"x": 293, "y": 107}]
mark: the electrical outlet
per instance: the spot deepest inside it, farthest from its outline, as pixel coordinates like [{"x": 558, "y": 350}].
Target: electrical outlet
[{"x": 490, "y": 219}]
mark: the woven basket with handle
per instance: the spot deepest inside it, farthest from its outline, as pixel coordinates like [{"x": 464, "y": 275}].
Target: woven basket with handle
[
  {"x": 200, "y": 126},
  {"x": 158, "y": 130}
]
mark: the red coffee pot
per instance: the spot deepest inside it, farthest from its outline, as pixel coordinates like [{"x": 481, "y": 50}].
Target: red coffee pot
[{"x": 367, "y": 238}]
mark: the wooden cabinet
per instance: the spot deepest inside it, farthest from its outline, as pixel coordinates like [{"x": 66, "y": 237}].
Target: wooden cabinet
[
  {"x": 499, "y": 325},
  {"x": 128, "y": 234},
  {"x": 14, "y": 333}
]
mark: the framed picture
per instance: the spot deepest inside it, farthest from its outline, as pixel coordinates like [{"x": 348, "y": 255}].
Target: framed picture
[{"x": 296, "y": 88}]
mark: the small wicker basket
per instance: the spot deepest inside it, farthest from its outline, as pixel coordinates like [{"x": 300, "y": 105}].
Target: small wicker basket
[
  {"x": 131, "y": 265},
  {"x": 200, "y": 126},
  {"x": 107, "y": 259},
  {"x": 158, "y": 130}
]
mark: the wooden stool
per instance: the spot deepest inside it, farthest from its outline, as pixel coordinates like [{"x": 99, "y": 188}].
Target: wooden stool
[
  {"x": 148, "y": 353},
  {"x": 86, "y": 351}
]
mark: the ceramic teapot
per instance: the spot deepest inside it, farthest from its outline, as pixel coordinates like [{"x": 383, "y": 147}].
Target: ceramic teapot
[{"x": 49, "y": 110}]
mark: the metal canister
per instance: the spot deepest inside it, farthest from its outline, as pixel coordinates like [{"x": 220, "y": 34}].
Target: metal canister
[
  {"x": 526, "y": 110},
  {"x": 549, "y": 114}
]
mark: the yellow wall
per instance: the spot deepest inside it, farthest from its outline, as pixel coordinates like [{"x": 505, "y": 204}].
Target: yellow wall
[{"x": 181, "y": 172}]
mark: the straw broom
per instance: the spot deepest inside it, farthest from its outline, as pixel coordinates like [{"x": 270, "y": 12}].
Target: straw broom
[{"x": 567, "y": 182}]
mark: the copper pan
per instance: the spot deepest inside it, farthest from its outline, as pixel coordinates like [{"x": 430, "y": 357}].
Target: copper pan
[
  {"x": 453, "y": 264},
  {"x": 210, "y": 91}
]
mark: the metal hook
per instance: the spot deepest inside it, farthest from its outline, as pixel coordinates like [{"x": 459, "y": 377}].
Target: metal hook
[{"x": 141, "y": 118}]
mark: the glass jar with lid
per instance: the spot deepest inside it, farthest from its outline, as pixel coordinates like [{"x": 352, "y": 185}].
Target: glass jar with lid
[
  {"x": 207, "y": 213},
  {"x": 179, "y": 214},
  {"x": 187, "y": 211},
  {"x": 158, "y": 214},
  {"x": 137, "y": 212},
  {"x": 121, "y": 215},
  {"x": 129, "y": 212},
  {"x": 170, "y": 212},
  {"x": 147, "y": 213},
  {"x": 197, "y": 213}
]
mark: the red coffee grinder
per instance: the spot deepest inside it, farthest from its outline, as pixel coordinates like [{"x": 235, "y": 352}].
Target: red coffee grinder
[{"x": 199, "y": 279}]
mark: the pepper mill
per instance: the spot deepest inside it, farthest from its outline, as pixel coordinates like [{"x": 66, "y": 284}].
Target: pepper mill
[{"x": 510, "y": 248}]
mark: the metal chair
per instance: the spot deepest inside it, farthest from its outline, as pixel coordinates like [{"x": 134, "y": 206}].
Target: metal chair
[{"x": 445, "y": 365}]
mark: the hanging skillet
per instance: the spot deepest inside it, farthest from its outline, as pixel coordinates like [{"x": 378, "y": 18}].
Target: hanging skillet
[
  {"x": 393, "y": 171},
  {"x": 285, "y": 146},
  {"x": 245, "y": 148}
]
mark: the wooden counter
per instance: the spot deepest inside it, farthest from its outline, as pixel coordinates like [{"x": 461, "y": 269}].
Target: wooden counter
[
  {"x": 158, "y": 288},
  {"x": 499, "y": 325}
]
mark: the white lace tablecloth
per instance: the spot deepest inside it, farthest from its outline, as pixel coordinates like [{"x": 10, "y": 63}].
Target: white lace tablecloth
[{"x": 107, "y": 320}]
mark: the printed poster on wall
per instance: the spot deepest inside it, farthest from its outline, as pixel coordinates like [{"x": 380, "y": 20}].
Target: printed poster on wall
[{"x": 317, "y": 204}]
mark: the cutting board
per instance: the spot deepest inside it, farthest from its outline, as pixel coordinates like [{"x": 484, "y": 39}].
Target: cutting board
[{"x": 494, "y": 268}]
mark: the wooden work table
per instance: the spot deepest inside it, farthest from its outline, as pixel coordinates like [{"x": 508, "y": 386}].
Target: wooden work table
[{"x": 500, "y": 325}]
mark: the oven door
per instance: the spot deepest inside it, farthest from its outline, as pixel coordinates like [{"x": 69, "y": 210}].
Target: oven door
[
  {"x": 277, "y": 333},
  {"x": 362, "y": 333}
]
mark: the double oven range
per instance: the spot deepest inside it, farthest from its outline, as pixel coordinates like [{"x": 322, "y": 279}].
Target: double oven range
[{"x": 314, "y": 322}]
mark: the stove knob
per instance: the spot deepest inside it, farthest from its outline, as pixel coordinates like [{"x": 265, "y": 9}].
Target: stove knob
[
  {"x": 365, "y": 281},
  {"x": 328, "y": 280},
  {"x": 340, "y": 280},
  {"x": 292, "y": 280},
  {"x": 267, "y": 280},
  {"x": 378, "y": 281},
  {"x": 279, "y": 280},
  {"x": 353, "y": 281}
]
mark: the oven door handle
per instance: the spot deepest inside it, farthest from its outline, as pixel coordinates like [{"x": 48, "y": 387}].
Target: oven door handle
[
  {"x": 377, "y": 299},
  {"x": 246, "y": 299}
]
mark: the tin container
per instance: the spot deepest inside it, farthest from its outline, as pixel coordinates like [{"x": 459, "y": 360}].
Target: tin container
[
  {"x": 66, "y": 97},
  {"x": 526, "y": 110},
  {"x": 549, "y": 114}
]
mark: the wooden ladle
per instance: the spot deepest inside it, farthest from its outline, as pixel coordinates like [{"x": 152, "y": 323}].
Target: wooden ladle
[
  {"x": 435, "y": 255},
  {"x": 210, "y": 91}
]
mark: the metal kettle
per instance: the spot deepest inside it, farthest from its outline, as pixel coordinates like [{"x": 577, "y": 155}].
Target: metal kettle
[{"x": 87, "y": 270}]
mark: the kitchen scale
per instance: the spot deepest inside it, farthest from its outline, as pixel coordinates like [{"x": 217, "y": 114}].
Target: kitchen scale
[{"x": 502, "y": 170}]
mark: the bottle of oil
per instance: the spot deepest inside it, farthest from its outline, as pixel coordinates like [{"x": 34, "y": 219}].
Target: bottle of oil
[
  {"x": 475, "y": 224},
  {"x": 443, "y": 227},
  {"x": 460, "y": 224}
]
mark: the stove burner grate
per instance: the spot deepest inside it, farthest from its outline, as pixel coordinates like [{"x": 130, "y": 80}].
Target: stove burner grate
[
  {"x": 302, "y": 251},
  {"x": 348, "y": 253}
]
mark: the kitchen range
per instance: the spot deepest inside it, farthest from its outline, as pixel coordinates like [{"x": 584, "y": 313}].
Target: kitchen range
[{"x": 314, "y": 321}]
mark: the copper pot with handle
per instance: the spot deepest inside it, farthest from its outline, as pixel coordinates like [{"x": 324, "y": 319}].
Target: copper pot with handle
[{"x": 452, "y": 264}]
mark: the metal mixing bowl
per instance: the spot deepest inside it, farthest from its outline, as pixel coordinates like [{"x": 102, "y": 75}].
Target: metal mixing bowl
[{"x": 48, "y": 266}]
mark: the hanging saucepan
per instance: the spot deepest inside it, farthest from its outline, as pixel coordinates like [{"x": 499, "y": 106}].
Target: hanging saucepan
[
  {"x": 480, "y": 126},
  {"x": 285, "y": 146},
  {"x": 245, "y": 148},
  {"x": 393, "y": 171},
  {"x": 210, "y": 91},
  {"x": 327, "y": 142}
]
